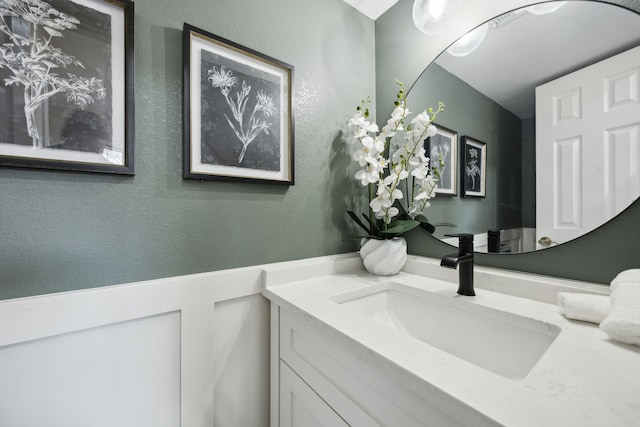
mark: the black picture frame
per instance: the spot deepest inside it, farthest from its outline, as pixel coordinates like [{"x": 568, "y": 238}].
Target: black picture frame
[
  {"x": 238, "y": 112},
  {"x": 81, "y": 116},
  {"x": 473, "y": 167},
  {"x": 442, "y": 150}
]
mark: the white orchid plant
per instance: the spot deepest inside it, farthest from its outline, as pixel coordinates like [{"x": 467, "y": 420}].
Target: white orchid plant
[{"x": 387, "y": 176}]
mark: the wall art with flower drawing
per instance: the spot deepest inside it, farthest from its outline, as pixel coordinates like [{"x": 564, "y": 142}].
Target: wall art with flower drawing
[
  {"x": 442, "y": 150},
  {"x": 238, "y": 112},
  {"x": 474, "y": 167},
  {"x": 66, "y": 85}
]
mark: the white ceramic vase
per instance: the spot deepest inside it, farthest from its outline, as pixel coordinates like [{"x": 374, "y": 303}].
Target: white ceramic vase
[{"x": 384, "y": 257}]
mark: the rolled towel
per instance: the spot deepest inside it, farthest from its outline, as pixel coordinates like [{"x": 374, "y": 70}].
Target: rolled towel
[
  {"x": 586, "y": 307},
  {"x": 623, "y": 321},
  {"x": 631, "y": 275}
]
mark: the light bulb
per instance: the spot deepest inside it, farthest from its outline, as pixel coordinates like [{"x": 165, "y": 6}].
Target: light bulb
[
  {"x": 544, "y": 8},
  {"x": 432, "y": 16},
  {"x": 469, "y": 42}
]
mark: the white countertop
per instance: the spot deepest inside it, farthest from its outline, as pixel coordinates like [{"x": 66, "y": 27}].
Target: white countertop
[{"x": 583, "y": 379}]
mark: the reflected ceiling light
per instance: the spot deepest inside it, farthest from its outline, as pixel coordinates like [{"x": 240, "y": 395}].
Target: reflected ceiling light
[
  {"x": 544, "y": 8},
  {"x": 469, "y": 42},
  {"x": 432, "y": 16}
]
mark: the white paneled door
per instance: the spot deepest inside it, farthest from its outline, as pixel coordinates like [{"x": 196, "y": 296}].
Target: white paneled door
[{"x": 587, "y": 147}]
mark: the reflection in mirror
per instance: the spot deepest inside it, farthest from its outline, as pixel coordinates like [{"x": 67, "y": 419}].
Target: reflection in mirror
[{"x": 557, "y": 101}]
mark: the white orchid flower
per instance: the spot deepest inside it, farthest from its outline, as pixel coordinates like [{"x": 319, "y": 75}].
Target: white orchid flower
[
  {"x": 359, "y": 156},
  {"x": 357, "y": 120},
  {"x": 427, "y": 189},
  {"x": 387, "y": 131},
  {"x": 420, "y": 172},
  {"x": 399, "y": 113},
  {"x": 381, "y": 164},
  {"x": 368, "y": 175},
  {"x": 415, "y": 161},
  {"x": 378, "y": 144},
  {"x": 422, "y": 120},
  {"x": 381, "y": 201},
  {"x": 398, "y": 155},
  {"x": 387, "y": 195},
  {"x": 363, "y": 126},
  {"x": 408, "y": 162},
  {"x": 387, "y": 214}
]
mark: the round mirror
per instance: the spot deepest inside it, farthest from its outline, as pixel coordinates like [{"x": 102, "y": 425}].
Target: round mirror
[{"x": 540, "y": 139}]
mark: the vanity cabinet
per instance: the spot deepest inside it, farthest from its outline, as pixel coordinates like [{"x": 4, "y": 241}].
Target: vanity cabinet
[
  {"x": 348, "y": 348},
  {"x": 301, "y": 406},
  {"x": 322, "y": 379}
]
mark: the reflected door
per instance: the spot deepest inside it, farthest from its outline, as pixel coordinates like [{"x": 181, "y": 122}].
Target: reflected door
[{"x": 587, "y": 147}]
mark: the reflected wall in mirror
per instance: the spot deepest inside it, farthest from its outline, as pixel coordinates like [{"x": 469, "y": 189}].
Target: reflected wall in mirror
[{"x": 562, "y": 164}]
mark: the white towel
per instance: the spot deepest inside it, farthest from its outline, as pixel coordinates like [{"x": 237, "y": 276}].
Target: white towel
[
  {"x": 586, "y": 307},
  {"x": 623, "y": 321},
  {"x": 631, "y": 275}
]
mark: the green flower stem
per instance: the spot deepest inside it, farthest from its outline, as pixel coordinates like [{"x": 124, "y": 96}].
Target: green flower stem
[
  {"x": 372, "y": 192},
  {"x": 401, "y": 98}
]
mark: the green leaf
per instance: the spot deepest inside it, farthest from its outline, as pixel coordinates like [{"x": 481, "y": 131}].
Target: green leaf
[
  {"x": 357, "y": 220},
  {"x": 422, "y": 218},
  {"x": 404, "y": 214},
  {"x": 429, "y": 228},
  {"x": 374, "y": 226},
  {"x": 392, "y": 231},
  {"x": 425, "y": 225},
  {"x": 399, "y": 226}
]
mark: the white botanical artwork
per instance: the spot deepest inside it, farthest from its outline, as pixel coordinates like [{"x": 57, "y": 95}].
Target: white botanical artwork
[
  {"x": 246, "y": 132},
  {"x": 439, "y": 155},
  {"x": 443, "y": 155},
  {"x": 240, "y": 115},
  {"x": 238, "y": 109},
  {"x": 472, "y": 169},
  {"x": 48, "y": 84}
]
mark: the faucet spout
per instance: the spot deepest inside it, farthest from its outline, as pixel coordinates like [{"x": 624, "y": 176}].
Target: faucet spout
[
  {"x": 453, "y": 260},
  {"x": 464, "y": 260}
]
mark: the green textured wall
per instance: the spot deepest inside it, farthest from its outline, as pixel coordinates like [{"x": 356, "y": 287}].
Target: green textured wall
[
  {"x": 63, "y": 231},
  {"x": 403, "y": 52}
]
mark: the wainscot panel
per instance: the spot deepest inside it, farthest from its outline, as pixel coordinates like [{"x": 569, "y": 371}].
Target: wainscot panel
[{"x": 189, "y": 350}]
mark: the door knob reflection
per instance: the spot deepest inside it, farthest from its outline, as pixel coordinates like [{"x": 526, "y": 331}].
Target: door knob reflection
[{"x": 545, "y": 241}]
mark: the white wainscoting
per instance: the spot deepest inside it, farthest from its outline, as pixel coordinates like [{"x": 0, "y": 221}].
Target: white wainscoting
[{"x": 187, "y": 351}]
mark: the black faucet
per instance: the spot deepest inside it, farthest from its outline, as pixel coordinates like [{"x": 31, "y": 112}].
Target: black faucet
[
  {"x": 493, "y": 241},
  {"x": 464, "y": 258}
]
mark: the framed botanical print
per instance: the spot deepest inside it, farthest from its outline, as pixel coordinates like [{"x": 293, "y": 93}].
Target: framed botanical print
[
  {"x": 474, "y": 167},
  {"x": 66, "y": 69},
  {"x": 238, "y": 112},
  {"x": 442, "y": 150}
]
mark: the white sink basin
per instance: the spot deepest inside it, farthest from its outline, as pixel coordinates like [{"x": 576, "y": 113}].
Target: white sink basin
[{"x": 504, "y": 343}]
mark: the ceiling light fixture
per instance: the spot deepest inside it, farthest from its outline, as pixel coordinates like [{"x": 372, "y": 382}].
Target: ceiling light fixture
[
  {"x": 469, "y": 42},
  {"x": 544, "y": 8},
  {"x": 433, "y": 16}
]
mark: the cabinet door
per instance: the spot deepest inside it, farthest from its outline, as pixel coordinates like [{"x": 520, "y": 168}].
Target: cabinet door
[{"x": 300, "y": 406}]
